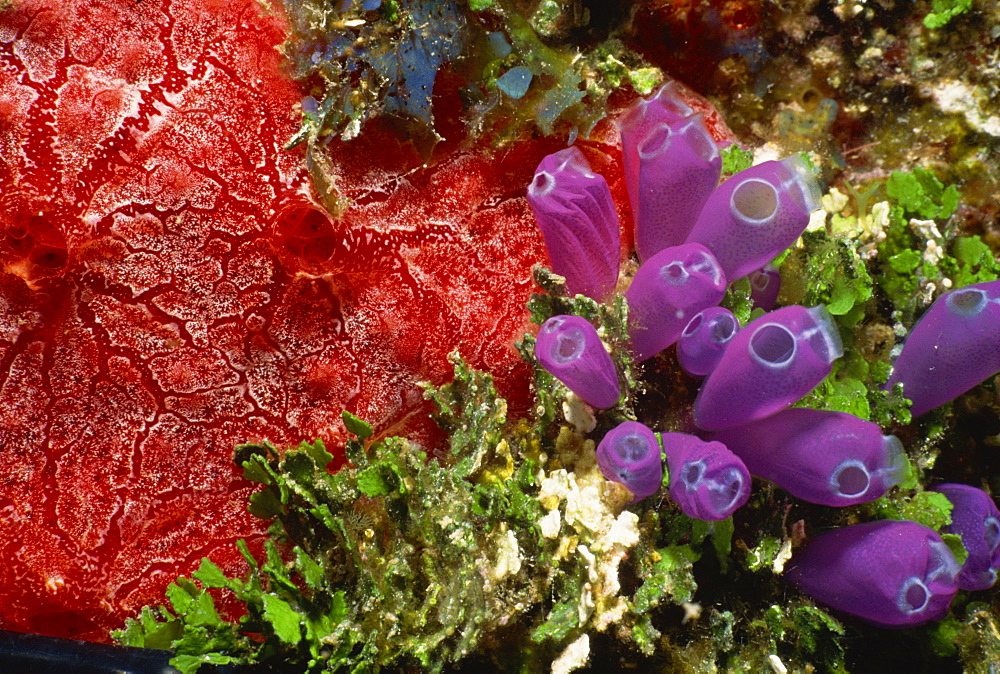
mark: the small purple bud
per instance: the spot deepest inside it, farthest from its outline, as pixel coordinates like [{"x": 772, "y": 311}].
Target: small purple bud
[
  {"x": 765, "y": 284},
  {"x": 756, "y": 214},
  {"x": 890, "y": 573},
  {"x": 664, "y": 107},
  {"x": 700, "y": 346},
  {"x": 830, "y": 458},
  {"x": 630, "y": 454},
  {"x": 572, "y": 352},
  {"x": 954, "y": 346},
  {"x": 575, "y": 212},
  {"x": 976, "y": 519},
  {"x": 668, "y": 289},
  {"x": 679, "y": 167},
  {"x": 770, "y": 364},
  {"x": 707, "y": 481}
]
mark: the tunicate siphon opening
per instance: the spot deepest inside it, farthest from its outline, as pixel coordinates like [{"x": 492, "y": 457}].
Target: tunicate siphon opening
[
  {"x": 896, "y": 463},
  {"x": 697, "y": 136},
  {"x": 553, "y": 324},
  {"x": 773, "y": 345},
  {"x": 850, "y": 479},
  {"x": 722, "y": 328},
  {"x": 810, "y": 98},
  {"x": 760, "y": 281},
  {"x": 802, "y": 186},
  {"x": 693, "y": 325},
  {"x": 991, "y": 532},
  {"x": 967, "y": 302},
  {"x": 825, "y": 338},
  {"x": 755, "y": 201},
  {"x": 674, "y": 273},
  {"x": 725, "y": 489},
  {"x": 669, "y": 98},
  {"x": 942, "y": 563},
  {"x": 692, "y": 473},
  {"x": 573, "y": 161},
  {"x": 632, "y": 448},
  {"x": 541, "y": 185},
  {"x": 704, "y": 262},
  {"x": 569, "y": 346},
  {"x": 913, "y": 596},
  {"x": 656, "y": 142}
]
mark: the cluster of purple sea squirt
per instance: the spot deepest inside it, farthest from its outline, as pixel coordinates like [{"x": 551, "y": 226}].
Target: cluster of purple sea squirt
[{"x": 693, "y": 236}]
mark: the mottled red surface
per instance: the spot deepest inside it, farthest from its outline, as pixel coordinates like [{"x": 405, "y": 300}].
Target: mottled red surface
[
  {"x": 169, "y": 288},
  {"x": 161, "y": 298}
]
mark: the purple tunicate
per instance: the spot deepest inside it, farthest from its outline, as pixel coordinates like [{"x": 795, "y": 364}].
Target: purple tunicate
[
  {"x": 679, "y": 167},
  {"x": 765, "y": 284},
  {"x": 575, "y": 212},
  {"x": 664, "y": 107},
  {"x": 756, "y": 214},
  {"x": 668, "y": 289},
  {"x": 830, "y": 458},
  {"x": 770, "y": 364},
  {"x": 572, "y": 352},
  {"x": 629, "y": 454},
  {"x": 890, "y": 573},
  {"x": 976, "y": 519},
  {"x": 954, "y": 346},
  {"x": 703, "y": 340},
  {"x": 707, "y": 481}
]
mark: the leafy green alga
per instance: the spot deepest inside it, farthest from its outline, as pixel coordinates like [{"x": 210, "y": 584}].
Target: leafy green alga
[
  {"x": 736, "y": 159},
  {"x": 945, "y": 11}
]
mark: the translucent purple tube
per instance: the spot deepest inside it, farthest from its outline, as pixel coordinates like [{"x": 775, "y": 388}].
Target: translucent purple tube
[
  {"x": 890, "y": 573},
  {"x": 954, "y": 346},
  {"x": 679, "y": 167},
  {"x": 630, "y": 455},
  {"x": 668, "y": 289},
  {"x": 703, "y": 340},
  {"x": 770, "y": 364},
  {"x": 572, "y": 352},
  {"x": 664, "y": 107},
  {"x": 765, "y": 284},
  {"x": 577, "y": 218},
  {"x": 830, "y": 458},
  {"x": 756, "y": 214},
  {"x": 707, "y": 481},
  {"x": 976, "y": 519}
]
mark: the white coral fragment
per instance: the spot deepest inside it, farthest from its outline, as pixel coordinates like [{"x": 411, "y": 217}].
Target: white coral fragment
[
  {"x": 624, "y": 533},
  {"x": 508, "y": 561},
  {"x": 551, "y": 523},
  {"x": 971, "y": 102},
  {"x": 784, "y": 554},
  {"x": 573, "y": 656},
  {"x": 578, "y": 414}
]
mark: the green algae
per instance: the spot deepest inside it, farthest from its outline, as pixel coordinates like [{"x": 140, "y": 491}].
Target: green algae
[{"x": 945, "y": 11}]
